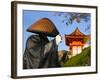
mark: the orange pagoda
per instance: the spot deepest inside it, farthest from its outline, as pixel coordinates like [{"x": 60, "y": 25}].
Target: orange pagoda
[{"x": 76, "y": 41}]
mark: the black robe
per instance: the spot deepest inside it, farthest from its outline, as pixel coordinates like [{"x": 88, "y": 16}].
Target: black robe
[{"x": 40, "y": 53}]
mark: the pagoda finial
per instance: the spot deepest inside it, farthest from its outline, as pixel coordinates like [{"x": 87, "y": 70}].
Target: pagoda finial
[{"x": 77, "y": 29}]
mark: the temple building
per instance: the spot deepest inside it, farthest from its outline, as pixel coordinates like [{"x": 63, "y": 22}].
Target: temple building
[{"x": 76, "y": 41}]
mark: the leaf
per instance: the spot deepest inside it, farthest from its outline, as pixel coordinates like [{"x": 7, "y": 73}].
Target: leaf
[{"x": 66, "y": 23}]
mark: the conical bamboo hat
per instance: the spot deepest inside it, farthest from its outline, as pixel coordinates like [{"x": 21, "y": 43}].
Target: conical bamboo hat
[{"x": 44, "y": 26}]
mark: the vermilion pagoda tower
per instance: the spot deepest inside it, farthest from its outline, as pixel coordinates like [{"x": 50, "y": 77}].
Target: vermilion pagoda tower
[{"x": 76, "y": 41}]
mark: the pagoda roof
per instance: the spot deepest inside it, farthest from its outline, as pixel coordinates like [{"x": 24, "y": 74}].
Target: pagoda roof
[
  {"x": 76, "y": 35},
  {"x": 77, "y": 32}
]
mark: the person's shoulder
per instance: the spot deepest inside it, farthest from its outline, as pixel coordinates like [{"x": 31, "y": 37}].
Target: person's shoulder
[{"x": 33, "y": 37}]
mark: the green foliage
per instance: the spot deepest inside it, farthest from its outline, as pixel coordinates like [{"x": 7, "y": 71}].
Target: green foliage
[{"x": 82, "y": 59}]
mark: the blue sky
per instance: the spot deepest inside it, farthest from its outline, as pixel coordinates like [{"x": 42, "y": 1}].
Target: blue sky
[{"x": 30, "y": 17}]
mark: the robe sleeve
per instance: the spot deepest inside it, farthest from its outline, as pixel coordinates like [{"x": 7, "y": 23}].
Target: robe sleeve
[
  {"x": 31, "y": 56},
  {"x": 33, "y": 47},
  {"x": 51, "y": 46},
  {"x": 50, "y": 57}
]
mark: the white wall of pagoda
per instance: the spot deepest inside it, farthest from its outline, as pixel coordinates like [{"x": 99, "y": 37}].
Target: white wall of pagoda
[
  {"x": 76, "y": 47},
  {"x": 76, "y": 50}
]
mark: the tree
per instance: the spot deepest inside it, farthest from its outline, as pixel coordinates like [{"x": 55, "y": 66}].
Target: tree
[{"x": 70, "y": 17}]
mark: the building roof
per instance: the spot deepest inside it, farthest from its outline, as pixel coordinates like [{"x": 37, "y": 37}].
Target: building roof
[
  {"x": 76, "y": 32},
  {"x": 76, "y": 35}
]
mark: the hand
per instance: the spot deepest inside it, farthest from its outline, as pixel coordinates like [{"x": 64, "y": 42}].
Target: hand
[{"x": 58, "y": 39}]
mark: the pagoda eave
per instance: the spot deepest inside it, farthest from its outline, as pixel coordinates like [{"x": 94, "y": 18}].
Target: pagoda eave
[{"x": 77, "y": 36}]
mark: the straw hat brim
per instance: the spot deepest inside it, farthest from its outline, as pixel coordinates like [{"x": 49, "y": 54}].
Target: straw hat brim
[{"x": 44, "y": 26}]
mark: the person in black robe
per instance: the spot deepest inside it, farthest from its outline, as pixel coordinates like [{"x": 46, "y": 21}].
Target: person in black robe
[{"x": 40, "y": 52}]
